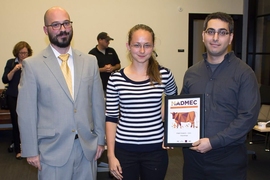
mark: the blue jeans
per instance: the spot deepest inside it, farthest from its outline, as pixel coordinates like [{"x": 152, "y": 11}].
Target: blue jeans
[{"x": 143, "y": 165}]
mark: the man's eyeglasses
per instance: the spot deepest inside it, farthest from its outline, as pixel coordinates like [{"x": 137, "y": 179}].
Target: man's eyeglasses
[
  {"x": 58, "y": 26},
  {"x": 212, "y": 32},
  {"x": 144, "y": 46}
]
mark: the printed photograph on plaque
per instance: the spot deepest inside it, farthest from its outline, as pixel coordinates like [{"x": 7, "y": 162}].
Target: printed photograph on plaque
[{"x": 184, "y": 120}]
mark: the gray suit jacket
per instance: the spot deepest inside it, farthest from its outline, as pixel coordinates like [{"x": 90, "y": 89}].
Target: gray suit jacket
[{"x": 48, "y": 116}]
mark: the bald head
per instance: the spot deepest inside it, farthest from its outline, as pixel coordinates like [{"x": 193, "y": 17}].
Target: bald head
[
  {"x": 59, "y": 29},
  {"x": 54, "y": 14}
]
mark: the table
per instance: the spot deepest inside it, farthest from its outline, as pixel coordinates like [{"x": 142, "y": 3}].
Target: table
[{"x": 267, "y": 138}]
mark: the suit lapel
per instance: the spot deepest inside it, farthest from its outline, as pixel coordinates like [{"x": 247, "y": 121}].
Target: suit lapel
[
  {"x": 78, "y": 62},
  {"x": 52, "y": 63}
]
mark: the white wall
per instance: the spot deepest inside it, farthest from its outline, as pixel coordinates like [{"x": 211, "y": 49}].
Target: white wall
[{"x": 23, "y": 20}]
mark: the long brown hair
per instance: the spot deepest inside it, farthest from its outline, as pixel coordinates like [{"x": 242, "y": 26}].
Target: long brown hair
[{"x": 153, "y": 65}]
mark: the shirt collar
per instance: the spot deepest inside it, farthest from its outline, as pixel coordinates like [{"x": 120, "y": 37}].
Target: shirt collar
[
  {"x": 226, "y": 57},
  {"x": 56, "y": 53},
  {"x": 17, "y": 60}
]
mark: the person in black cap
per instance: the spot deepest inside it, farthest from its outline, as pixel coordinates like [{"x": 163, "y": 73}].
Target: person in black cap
[{"x": 108, "y": 60}]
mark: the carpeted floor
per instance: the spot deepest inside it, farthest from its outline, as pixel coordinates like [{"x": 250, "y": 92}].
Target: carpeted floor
[{"x": 13, "y": 169}]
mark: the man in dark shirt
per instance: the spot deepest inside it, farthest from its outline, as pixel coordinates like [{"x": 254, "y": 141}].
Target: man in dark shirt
[
  {"x": 232, "y": 103},
  {"x": 108, "y": 60}
]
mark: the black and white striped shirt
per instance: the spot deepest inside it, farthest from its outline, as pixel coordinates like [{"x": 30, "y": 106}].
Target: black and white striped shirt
[{"x": 140, "y": 126}]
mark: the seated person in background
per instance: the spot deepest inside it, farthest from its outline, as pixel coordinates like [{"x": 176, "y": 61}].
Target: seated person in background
[{"x": 108, "y": 60}]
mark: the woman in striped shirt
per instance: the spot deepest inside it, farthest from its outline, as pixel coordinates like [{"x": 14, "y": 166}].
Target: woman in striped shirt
[{"x": 134, "y": 128}]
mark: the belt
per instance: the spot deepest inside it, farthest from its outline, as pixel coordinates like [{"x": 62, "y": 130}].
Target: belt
[{"x": 76, "y": 136}]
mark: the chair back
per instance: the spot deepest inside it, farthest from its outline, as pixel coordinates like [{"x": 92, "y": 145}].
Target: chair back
[{"x": 264, "y": 114}]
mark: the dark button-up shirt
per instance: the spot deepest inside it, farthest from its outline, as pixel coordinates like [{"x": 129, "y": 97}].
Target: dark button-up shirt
[
  {"x": 110, "y": 57},
  {"x": 232, "y": 99}
]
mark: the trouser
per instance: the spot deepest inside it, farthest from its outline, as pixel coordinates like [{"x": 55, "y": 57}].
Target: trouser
[
  {"x": 221, "y": 164},
  {"x": 76, "y": 168},
  {"x": 12, "y": 103},
  {"x": 143, "y": 165}
]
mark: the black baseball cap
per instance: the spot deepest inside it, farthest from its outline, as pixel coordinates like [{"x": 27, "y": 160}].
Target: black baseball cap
[{"x": 104, "y": 35}]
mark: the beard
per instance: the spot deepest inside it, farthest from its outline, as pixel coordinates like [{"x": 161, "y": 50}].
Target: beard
[{"x": 65, "y": 42}]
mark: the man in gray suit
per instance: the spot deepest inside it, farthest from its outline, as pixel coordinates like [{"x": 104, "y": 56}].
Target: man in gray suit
[{"x": 62, "y": 130}]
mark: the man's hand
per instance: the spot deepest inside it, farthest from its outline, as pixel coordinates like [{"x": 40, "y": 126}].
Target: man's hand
[
  {"x": 109, "y": 68},
  {"x": 34, "y": 161},
  {"x": 100, "y": 150},
  {"x": 202, "y": 146}
]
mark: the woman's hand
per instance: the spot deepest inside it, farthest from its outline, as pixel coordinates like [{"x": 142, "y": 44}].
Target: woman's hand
[
  {"x": 17, "y": 67},
  {"x": 12, "y": 72},
  {"x": 115, "y": 168}
]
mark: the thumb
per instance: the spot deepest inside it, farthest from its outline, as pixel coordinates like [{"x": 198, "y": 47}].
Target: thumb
[{"x": 196, "y": 143}]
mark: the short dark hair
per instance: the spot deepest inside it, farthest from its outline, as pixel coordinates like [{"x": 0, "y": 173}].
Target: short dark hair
[
  {"x": 20, "y": 45},
  {"x": 223, "y": 17}
]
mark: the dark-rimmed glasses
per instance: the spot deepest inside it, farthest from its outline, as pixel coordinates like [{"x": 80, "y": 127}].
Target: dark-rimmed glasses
[
  {"x": 23, "y": 53},
  {"x": 212, "y": 32},
  {"x": 58, "y": 26}
]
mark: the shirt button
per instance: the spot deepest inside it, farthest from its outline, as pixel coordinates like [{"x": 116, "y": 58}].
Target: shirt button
[
  {"x": 75, "y": 110},
  {"x": 73, "y": 130}
]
